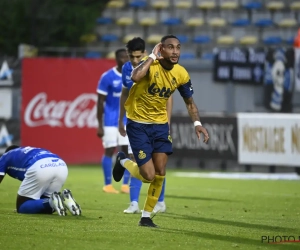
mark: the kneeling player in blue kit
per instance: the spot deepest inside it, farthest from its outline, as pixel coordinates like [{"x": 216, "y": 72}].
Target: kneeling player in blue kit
[{"x": 42, "y": 174}]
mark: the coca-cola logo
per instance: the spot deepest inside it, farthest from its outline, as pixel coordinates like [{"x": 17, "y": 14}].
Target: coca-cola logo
[{"x": 81, "y": 112}]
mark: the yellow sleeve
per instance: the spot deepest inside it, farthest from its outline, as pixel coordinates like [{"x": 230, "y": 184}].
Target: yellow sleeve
[{"x": 185, "y": 77}]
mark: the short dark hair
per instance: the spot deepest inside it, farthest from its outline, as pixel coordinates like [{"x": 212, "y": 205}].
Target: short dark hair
[
  {"x": 11, "y": 147},
  {"x": 136, "y": 44},
  {"x": 164, "y": 38},
  {"x": 118, "y": 51}
]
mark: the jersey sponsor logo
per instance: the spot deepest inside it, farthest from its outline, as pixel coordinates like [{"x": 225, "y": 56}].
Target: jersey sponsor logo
[
  {"x": 163, "y": 92},
  {"x": 141, "y": 155},
  {"x": 116, "y": 83},
  {"x": 53, "y": 165},
  {"x": 116, "y": 94},
  {"x": 80, "y": 112}
]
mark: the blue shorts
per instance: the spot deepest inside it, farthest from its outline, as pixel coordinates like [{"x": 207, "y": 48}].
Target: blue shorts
[{"x": 146, "y": 139}]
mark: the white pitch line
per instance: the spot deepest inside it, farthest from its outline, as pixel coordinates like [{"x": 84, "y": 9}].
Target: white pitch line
[{"x": 242, "y": 176}]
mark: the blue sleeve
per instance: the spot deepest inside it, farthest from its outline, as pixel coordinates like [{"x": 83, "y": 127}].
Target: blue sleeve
[
  {"x": 126, "y": 75},
  {"x": 186, "y": 90},
  {"x": 104, "y": 84}
]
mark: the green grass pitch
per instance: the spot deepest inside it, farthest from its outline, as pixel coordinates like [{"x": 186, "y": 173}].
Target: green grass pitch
[{"x": 201, "y": 214}]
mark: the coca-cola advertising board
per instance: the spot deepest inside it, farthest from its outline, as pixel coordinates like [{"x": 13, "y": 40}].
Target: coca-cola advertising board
[{"x": 59, "y": 106}]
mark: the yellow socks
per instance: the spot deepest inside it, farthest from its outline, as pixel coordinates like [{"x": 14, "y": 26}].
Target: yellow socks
[
  {"x": 134, "y": 170},
  {"x": 154, "y": 191}
]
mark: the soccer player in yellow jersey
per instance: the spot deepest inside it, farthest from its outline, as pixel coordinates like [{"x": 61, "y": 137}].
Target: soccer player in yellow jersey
[
  {"x": 155, "y": 80},
  {"x": 136, "y": 52}
]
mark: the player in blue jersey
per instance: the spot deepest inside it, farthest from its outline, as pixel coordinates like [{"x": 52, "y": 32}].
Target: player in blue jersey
[
  {"x": 42, "y": 174},
  {"x": 109, "y": 92},
  {"x": 136, "y": 51}
]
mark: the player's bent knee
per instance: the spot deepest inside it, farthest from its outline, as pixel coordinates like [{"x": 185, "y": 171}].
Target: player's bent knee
[
  {"x": 161, "y": 172},
  {"x": 149, "y": 177}
]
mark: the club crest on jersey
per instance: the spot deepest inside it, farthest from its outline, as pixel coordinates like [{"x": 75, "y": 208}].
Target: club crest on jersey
[
  {"x": 163, "y": 92},
  {"x": 142, "y": 155},
  {"x": 173, "y": 81},
  {"x": 156, "y": 74}
]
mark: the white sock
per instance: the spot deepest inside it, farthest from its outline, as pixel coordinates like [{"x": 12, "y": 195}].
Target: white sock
[
  {"x": 123, "y": 161},
  {"x": 134, "y": 203},
  {"x": 146, "y": 214}
]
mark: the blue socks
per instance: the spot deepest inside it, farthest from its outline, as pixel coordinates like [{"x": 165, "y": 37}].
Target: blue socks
[
  {"x": 162, "y": 194},
  {"x": 107, "y": 169},
  {"x": 126, "y": 177},
  {"x": 36, "y": 207},
  {"x": 135, "y": 188}
]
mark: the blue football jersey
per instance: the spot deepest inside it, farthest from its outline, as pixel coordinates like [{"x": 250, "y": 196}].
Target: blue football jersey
[
  {"x": 126, "y": 77},
  {"x": 17, "y": 161},
  {"x": 110, "y": 85}
]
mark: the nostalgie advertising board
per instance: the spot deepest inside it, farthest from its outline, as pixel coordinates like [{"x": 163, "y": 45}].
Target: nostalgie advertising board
[{"x": 269, "y": 139}]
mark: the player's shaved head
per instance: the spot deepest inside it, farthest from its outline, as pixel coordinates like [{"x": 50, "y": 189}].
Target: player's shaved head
[
  {"x": 119, "y": 52},
  {"x": 11, "y": 147},
  {"x": 121, "y": 57},
  {"x": 164, "y": 38}
]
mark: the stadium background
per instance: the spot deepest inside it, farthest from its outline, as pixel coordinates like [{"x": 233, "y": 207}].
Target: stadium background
[{"x": 64, "y": 66}]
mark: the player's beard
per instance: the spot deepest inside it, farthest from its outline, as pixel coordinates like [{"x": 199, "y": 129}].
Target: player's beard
[{"x": 172, "y": 62}]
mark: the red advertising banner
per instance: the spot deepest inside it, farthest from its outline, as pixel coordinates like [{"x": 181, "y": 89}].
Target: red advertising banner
[{"x": 59, "y": 106}]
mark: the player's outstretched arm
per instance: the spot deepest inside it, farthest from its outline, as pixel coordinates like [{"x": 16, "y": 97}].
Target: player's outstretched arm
[
  {"x": 124, "y": 96},
  {"x": 194, "y": 114},
  {"x": 142, "y": 70}
]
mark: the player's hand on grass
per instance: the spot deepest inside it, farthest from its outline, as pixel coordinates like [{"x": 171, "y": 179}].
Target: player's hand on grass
[
  {"x": 199, "y": 129},
  {"x": 122, "y": 129},
  {"x": 156, "y": 51},
  {"x": 100, "y": 132}
]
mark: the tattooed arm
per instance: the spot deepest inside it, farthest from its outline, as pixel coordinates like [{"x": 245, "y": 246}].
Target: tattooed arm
[
  {"x": 141, "y": 71},
  {"x": 192, "y": 109},
  {"x": 194, "y": 114}
]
